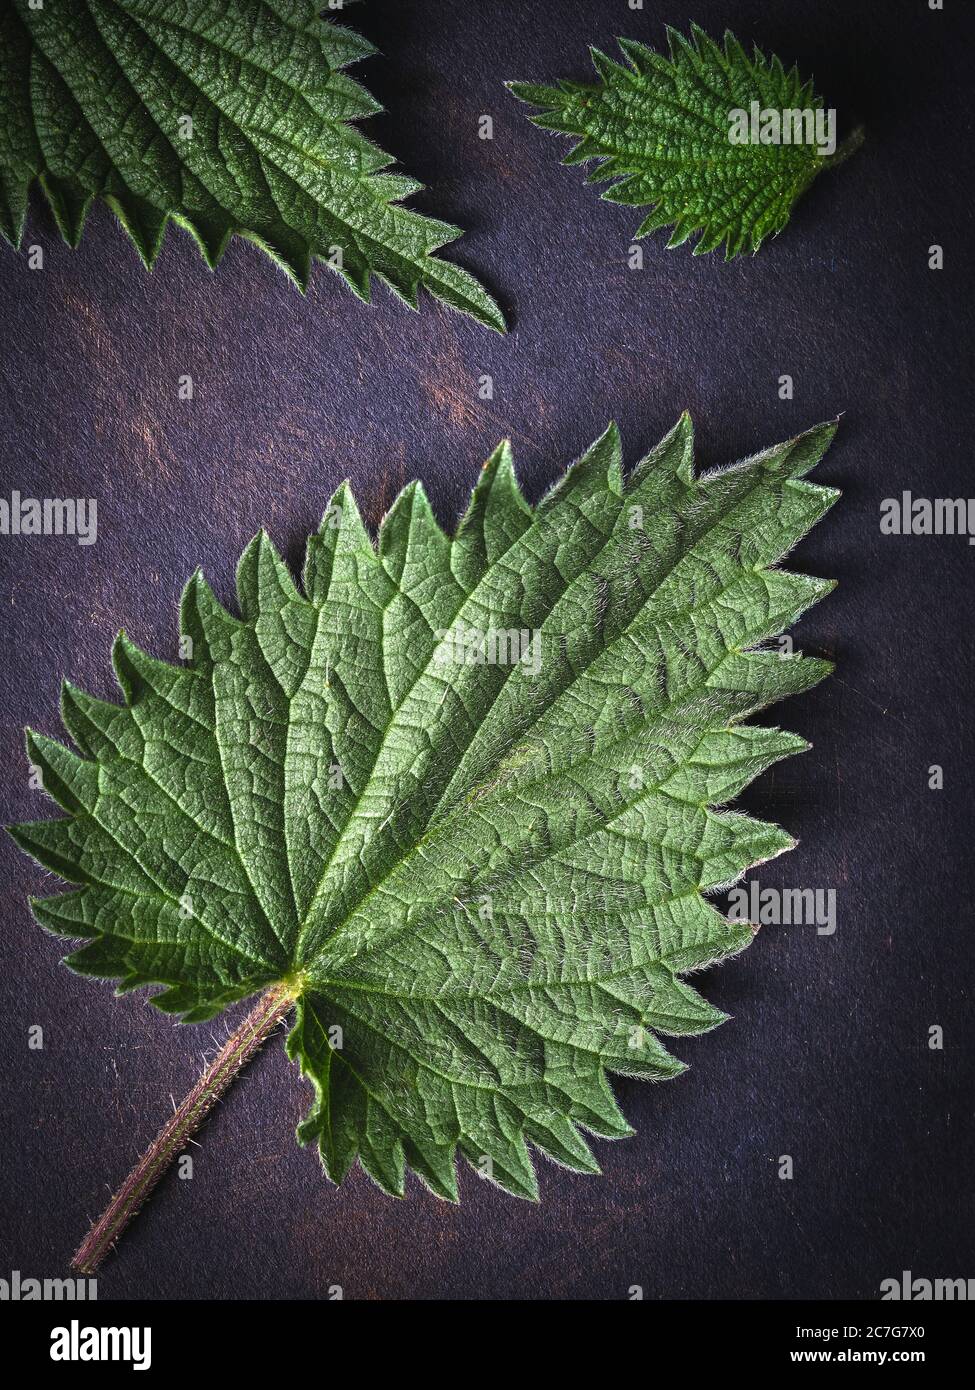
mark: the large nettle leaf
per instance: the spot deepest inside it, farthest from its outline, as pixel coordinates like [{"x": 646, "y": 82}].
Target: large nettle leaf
[
  {"x": 663, "y": 129},
  {"x": 457, "y": 796},
  {"x": 228, "y": 119}
]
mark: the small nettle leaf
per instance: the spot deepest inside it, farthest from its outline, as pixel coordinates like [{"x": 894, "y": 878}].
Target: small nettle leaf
[
  {"x": 459, "y": 797},
  {"x": 708, "y": 140},
  {"x": 226, "y": 119}
]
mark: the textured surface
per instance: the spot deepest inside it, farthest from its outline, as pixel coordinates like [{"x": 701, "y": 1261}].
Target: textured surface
[
  {"x": 658, "y": 126},
  {"x": 456, "y": 793},
  {"x": 826, "y": 1056},
  {"x": 226, "y": 120}
]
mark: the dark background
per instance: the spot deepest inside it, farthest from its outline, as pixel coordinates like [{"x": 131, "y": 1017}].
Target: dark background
[{"x": 826, "y": 1058}]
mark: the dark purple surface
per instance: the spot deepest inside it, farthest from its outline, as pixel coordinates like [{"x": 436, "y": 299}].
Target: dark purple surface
[{"x": 826, "y": 1057}]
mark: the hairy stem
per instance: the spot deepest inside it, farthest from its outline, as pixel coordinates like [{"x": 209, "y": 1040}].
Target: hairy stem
[
  {"x": 849, "y": 146},
  {"x": 186, "y": 1120}
]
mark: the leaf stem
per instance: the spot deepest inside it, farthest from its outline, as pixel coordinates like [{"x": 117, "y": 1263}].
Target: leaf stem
[
  {"x": 236, "y": 1052},
  {"x": 847, "y": 147}
]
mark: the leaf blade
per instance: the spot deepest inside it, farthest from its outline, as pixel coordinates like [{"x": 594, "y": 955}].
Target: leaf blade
[
  {"x": 484, "y": 877},
  {"x": 662, "y": 127},
  {"x": 228, "y": 122}
]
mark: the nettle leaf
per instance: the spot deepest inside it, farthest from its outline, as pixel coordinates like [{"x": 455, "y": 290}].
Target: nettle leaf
[
  {"x": 459, "y": 794},
  {"x": 662, "y": 129},
  {"x": 227, "y": 119}
]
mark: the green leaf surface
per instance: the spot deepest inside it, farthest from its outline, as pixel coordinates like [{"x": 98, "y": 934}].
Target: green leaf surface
[
  {"x": 660, "y": 129},
  {"x": 228, "y": 119},
  {"x": 462, "y": 793}
]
